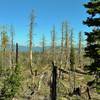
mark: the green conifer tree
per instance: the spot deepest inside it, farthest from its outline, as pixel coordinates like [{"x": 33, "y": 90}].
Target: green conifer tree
[{"x": 93, "y": 38}]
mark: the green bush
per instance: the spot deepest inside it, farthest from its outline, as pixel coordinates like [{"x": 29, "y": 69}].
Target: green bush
[{"x": 11, "y": 84}]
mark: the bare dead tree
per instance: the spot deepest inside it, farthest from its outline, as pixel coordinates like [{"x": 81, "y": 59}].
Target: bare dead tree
[
  {"x": 72, "y": 64},
  {"x": 1, "y": 50},
  {"x": 63, "y": 32},
  {"x": 80, "y": 50},
  {"x": 62, "y": 42},
  {"x": 67, "y": 46},
  {"x": 43, "y": 44},
  {"x": 62, "y": 48},
  {"x": 4, "y": 43},
  {"x": 12, "y": 45},
  {"x": 53, "y": 44},
  {"x": 32, "y": 17}
]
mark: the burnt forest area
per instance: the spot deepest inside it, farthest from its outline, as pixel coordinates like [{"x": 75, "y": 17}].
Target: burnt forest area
[{"x": 66, "y": 69}]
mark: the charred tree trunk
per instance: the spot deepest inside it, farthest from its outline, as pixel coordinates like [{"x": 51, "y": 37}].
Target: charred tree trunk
[
  {"x": 88, "y": 92},
  {"x": 16, "y": 53},
  {"x": 53, "y": 82}
]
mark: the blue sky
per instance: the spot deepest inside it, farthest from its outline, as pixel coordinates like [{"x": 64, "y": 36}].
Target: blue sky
[{"x": 47, "y": 12}]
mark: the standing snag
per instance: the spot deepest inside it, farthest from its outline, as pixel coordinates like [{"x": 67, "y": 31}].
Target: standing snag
[
  {"x": 32, "y": 18},
  {"x": 54, "y": 82}
]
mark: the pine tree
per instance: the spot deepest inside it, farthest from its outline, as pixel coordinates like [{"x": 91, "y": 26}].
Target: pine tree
[
  {"x": 93, "y": 38},
  {"x": 12, "y": 82},
  {"x": 11, "y": 85}
]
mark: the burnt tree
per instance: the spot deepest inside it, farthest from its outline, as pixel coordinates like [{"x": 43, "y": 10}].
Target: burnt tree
[{"x": 53, "y": 82}]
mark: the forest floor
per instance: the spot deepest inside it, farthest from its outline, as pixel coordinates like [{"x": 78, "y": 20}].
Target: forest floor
[{"x": 38, "y": 87}]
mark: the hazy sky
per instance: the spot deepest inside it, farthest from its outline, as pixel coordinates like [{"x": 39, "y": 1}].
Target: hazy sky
[{"x": 47, "y": 12}]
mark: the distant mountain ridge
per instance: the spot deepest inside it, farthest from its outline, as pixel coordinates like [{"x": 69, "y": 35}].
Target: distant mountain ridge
[
  {"x": 26, "y": 49},
  {"x": 35, "y": 49}
]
